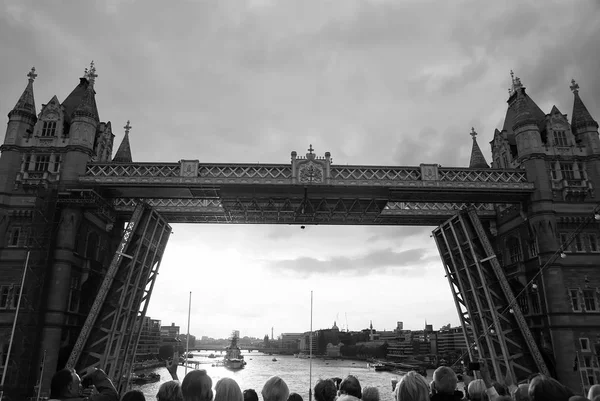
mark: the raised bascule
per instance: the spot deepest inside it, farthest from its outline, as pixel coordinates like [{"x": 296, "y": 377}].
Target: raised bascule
[{"x": 82, "y": 234}]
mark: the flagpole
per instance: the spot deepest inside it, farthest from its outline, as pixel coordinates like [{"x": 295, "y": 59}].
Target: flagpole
[
  {"x": 187, "y": 338},
  {"x": 12, "y": 333},
  {"x": 41, "y": 376},
  {"x": 310, "y": 351}
]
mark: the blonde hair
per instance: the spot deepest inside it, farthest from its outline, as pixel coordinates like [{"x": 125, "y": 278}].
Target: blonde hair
[
  {"x": 444, "y": 380},
  {"x": 412, "y": 387},
  {"x": 227, "y": 389},
  {"x": 169, "y": 391},
  {"x": 370, "y": 393},
  {"x": 275, "y": 389},
  {"x": 477, "y": 391},
  {"x": 594, "y": 392}
]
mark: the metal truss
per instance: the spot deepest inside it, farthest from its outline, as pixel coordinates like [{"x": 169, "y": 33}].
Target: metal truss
[
  {"x": 494, "y": 326},
  {"x": 378, "y": 175},
  {"x": 110, "y": 334},
  {"x": 90, "y": 199}
]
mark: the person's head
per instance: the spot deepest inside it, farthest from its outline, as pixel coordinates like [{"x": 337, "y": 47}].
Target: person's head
[
  {"x": 476, "y": 390},
  {"x": 133, "y": 395},
  {"x": 169, "y": 391},
  {"x": 444, "y": 380},
  {"x": 295, "y": 397},
  {"x": 412, "y": 387},
  {"x": 228, "y": 390},
  {"x": 370, "y": 393},
  {"x": 275, "y": 389},
  {"x": 65, "y": 384},
  {"x": 197, "y": 386},
  {"x": 544, "y": 388},
  {"x": 250, "y": 395},
  {"x": 521, "y": 393},
  {"x": 351, "y": 386},
  {"x": 325, "y": 390},
  {"x": 593, "y": 392}
]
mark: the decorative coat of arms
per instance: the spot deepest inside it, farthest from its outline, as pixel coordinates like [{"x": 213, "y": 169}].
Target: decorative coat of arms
[{"x": 310, "y": 172}]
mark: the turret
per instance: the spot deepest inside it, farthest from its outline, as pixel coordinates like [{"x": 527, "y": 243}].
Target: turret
[
  {"x": 123, "y": 154},
  {"x": 22, "y": 117},
  {"x": 21, "y": 121},
  {"x": 525, "y": 127},
  {"x": 583, "y": 126},
  {"x": 82, "y": 113},
  {"x": 477, "y": 158}
]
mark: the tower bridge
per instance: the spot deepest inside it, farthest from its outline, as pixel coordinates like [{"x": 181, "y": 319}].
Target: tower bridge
[{"x": 518, "y": 240}]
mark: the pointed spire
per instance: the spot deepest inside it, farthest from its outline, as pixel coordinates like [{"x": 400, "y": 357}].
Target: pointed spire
[
  {"x": 87, "y": 107},
  {"x": 581, "y": 117},
  {"x": 123, "y": 154},
  {"x": 523, "y": 115},
  {"x": 26, "y": 103},
  {"x": 477, "y": 158}
]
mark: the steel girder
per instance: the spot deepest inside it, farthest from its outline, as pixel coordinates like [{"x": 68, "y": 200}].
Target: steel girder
[
  {"x": 110, "y": 335},
  {"x": 493, "y": 323}
]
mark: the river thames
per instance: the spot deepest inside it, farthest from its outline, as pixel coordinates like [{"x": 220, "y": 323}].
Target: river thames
[{"x": 294, "y": 371}]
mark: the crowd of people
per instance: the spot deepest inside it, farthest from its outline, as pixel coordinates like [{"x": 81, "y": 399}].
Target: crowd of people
[{"x": 198, "y": 386}]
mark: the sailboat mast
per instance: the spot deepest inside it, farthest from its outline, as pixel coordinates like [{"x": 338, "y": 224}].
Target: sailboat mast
[
  {"x": 187, "y": 338},
  {"x": 310, "y": 350}
]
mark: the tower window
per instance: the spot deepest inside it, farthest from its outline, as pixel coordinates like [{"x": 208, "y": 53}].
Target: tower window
[
  {"x": 74, "y": 295},
  {"x": 574, "y": 296},
  {"x": 514, "y": 250},
  {"x": 41, "y": 163},
  {"x": 585, "y": 344},
  {"x": 589, "y": 300},
  {"x": 567, "y": 171},
  {"x": 14, "y": 235},
  {"x": 579, "y": 243},
  {"x": 593, "y": 240},
  {"x": 49, "y": 128},
  {"x": 56, "y": 163},
  {"x": 560, "y": 138},
  {"x": 9, "y": 296}
]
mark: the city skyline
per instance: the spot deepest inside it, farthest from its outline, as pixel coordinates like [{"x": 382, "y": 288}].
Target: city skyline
[{"x": 373, "y": 82}]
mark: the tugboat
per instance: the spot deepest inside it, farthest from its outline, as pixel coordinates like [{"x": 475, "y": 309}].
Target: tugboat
[{"x": 234, "y": 359}]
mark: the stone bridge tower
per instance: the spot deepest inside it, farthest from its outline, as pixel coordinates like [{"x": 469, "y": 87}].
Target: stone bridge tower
[
  {"x": 67, "y": 246},
  {"x": 550, "y": 248}
]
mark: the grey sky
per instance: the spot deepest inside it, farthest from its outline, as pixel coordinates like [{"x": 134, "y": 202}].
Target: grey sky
[{"x": 372, "y": 81}]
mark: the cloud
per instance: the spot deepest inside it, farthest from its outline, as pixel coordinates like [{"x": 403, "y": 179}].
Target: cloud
[{"x": 374, "y": 262}]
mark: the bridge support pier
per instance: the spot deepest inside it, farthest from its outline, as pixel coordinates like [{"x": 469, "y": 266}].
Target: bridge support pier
[{"x": 58, "y": 293}]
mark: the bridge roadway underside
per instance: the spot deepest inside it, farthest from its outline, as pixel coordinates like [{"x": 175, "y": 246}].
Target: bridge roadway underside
[{"x": 311, "y": 204}]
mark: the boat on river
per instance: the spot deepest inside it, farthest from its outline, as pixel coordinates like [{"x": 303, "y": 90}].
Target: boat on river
[
  {"x": 143, "y": 378},
  {"x": 234, "y": 359}
]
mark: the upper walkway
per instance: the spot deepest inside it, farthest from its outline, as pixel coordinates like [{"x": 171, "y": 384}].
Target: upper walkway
[{"x": 309, "y": 190}]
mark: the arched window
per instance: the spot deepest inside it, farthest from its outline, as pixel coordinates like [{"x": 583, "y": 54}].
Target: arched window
[
  {"x": 91, "y": 246},
  {"x": 49, "y": 128}
]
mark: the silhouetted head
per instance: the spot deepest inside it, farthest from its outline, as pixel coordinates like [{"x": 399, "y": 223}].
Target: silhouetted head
[
  {"x": 351, "y": 386},
  {"x": 370, "y": 393},
  {"x": 133, "y": 395},
  {"x": 295, "y": 397},
  {"x": 501, "y": 389},
  {"x": 227, "y": 389},
  {"x": 544, "y": 388},
  {"x": 65, "y": 384},
  {"x": 197, "y": 386},
  {"x": 593, "y": 392},
  {"x": 250, "y": 395},
  {"x": 325, "y": 390},
  {"x": 169, "y": 391},
  {"x": 476, "y": 390},
  {"x": 521, "y": 393},
  {"x": 412, "y": 387},
  {"x": 275, "y": 389},
  {"x": 444, "y": 380}
]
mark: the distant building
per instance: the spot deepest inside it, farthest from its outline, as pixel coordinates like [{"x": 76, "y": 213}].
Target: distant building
[
  {"x": 451, "y": 341},
  {"x": 290, "y": 341},
  {"x": 305, "y": 342},
  {"x": 149, "y": 342}
]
